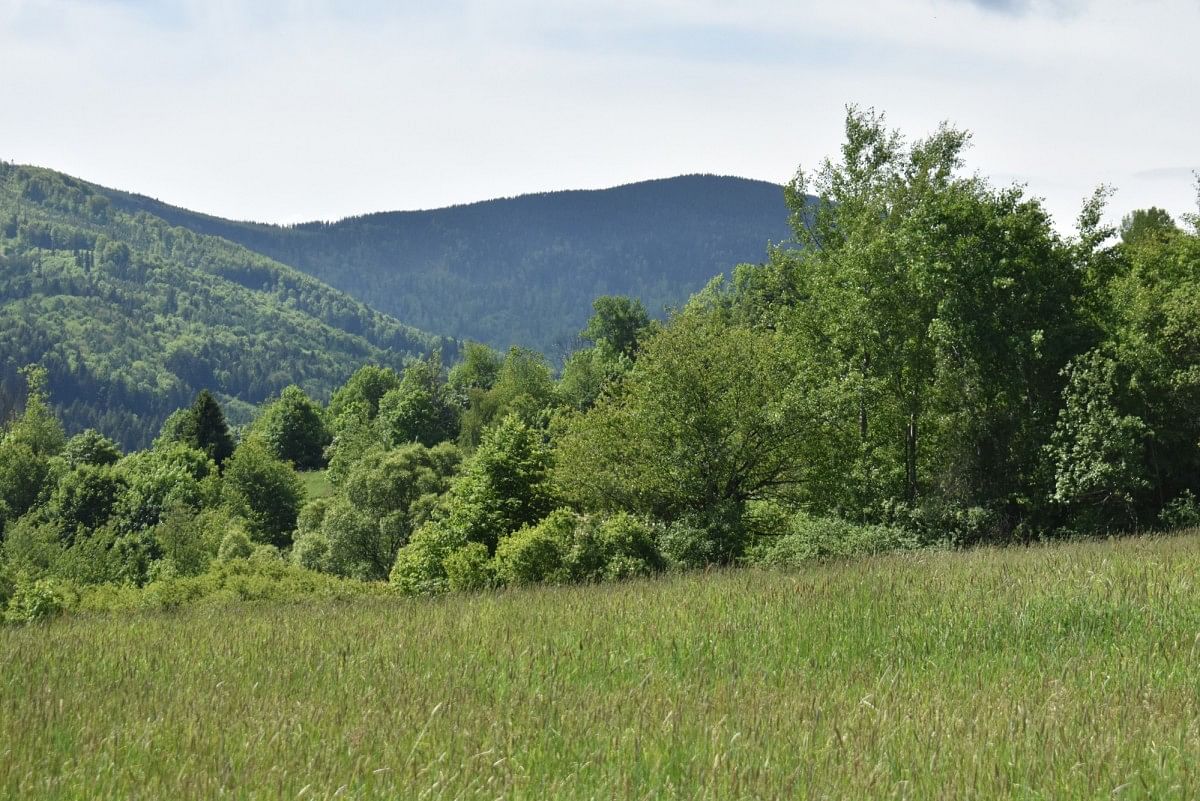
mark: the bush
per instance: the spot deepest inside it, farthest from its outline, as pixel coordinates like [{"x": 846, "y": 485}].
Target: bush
[
  {"x": 419, "y": 568},
  {"x": 235, "y": 545},
  {"x": 265, "y": 554},
  {"x": 629, "y": 543},
  {"x": 811, "y": 538},
  {"x": 537, "y": 553},
  {"x": 1182, "y": 512},
  {"x": 34, "y": 601},
  {"x": 700, "y": 539},
  {"x": 191, "y": 541},
  {"x": 311, "y": 550},
  {"x": 469, "y": 568},
  {"x": 617, "y": 547},
  {"x": 108, "y": 555}
]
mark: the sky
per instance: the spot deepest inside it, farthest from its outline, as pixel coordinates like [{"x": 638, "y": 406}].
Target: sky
[{"x": 293, "y": 110}]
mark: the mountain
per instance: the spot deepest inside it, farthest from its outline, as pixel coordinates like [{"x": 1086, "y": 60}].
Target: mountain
[
  {"x": 522, "y": 270},
  {"x": 132, "y": 314}
]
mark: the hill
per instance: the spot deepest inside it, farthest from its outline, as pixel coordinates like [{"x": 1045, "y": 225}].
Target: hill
[
  {"x": 1066, "y": 671},
  {"x": 523, "y": 270},
  {"x": 132, "y": 315}
]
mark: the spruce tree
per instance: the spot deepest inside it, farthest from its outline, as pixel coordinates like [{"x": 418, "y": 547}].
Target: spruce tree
[{"x": 208, "y": 430}]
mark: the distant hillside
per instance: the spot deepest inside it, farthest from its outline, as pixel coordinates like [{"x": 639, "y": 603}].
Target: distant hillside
[
  {"x": 523, "y": 270},
  {"x": 132, "y": 315}
]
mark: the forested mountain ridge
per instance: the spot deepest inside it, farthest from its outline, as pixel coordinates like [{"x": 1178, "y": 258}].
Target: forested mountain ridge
[
  {"x": 523, "y": 270},
  {"x": 132, "y": 315}
]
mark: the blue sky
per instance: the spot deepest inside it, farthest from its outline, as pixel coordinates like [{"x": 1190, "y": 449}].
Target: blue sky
[{"x": 288, "y": 110}]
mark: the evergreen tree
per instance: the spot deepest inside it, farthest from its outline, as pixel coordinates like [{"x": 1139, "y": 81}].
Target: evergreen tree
[{"x": 205, "y": 429}]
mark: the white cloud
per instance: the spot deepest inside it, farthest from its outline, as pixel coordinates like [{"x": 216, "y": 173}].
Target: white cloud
[{"x": 296, "y": 110}]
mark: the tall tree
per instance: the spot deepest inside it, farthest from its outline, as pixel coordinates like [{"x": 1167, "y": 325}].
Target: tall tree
[
  {"x": 617, "y": 324},
  {"x": 293, "y": 428},
  {"x": 948, "y": 306},
  {"x": 206, "y": 429}
]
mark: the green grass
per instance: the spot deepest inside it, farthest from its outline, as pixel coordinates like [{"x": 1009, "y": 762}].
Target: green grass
[
  {"x": 1070, "y": 671},
  {"x": 316, "y": 484}
]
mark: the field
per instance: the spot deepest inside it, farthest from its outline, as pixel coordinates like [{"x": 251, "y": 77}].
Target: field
[{"x": 1067, "y": 671}]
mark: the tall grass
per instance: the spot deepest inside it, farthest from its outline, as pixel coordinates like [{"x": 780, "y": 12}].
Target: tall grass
[{"x": 1068, "y": 671}]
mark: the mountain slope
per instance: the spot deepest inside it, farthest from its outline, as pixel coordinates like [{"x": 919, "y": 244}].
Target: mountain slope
[
  {"x": 523, "y": 270},
  {"x": 133, "y": 315}
]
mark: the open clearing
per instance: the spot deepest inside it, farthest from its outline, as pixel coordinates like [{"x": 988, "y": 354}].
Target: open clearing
[{"x": 1049, "y": 672}]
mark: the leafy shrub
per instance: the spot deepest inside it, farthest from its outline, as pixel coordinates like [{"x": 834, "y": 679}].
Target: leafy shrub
[
  {"x": 469, "y": 568},
  {"x": 942, "y": 522},
  {"x": 537, "y": 553},
  {"x": 265, "y": 554},
  {"x": 616, "y": 547},
  {"x": 191, "y": 541},
  {"x": 311, "y": 550},
  {"x": 169, "y": 477},
  {"x": 1182, "y": 512},
  {"x": 419, "y": 568},
  {"x": 811, "y": 538},
  {"x": 108, "y": 555},
  {"x": 34, "y": 601},
  {"x": 235, "y": 545}
]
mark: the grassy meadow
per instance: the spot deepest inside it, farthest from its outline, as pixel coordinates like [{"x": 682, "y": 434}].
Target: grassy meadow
[{"x": 1065, "y": 671}]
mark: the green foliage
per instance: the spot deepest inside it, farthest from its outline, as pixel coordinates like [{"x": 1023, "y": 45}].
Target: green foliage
[
  {"x": 421, "y": 409},
  {"x": 467, "y": 271},
  {"x": 478, "y": 368},
  {"x": 617, "y": 547},
  {"x": 171, "y": 476},
  {"x": 258, "y": 576},
  {"x": 311, "y": 550},
  {"x": 293, "y": 429},
  {"x": 385, "y": 497},
  {"x": 524, "y": 387},
  {"x": 131, "y": 316},
  {"x": 85, "y": 499},
  {"x": 1181, "y": 512},
  {"x": 503, "y": 486},
  {"x": 617, "y": 325},
  {"x": 1098, "y": 452},
  {"x": 235, "y": 544},
  {"x": 34, "y": 602},
  {"x": 420, "y": 565},
  {"x": 189, "y": 541},
  {"x": 37, "y": 427},
  {"x": 206, "y": 429},
  {"x": 265, "y": 491},
  {"x": 470, "y": 568},
  {"x": 1147, "y": 225},
  {"x": 537, "y": 553},
  {"x": 91, "y": 447},
  {"x": 365, "y": 388},
  {"x": 811, "y": 538},
  {"x": 710, "y": 417},
  {"x": 587, "y": 374},
  {"x": 946, "y": 309},
  {"x": 23, "y": 476}
]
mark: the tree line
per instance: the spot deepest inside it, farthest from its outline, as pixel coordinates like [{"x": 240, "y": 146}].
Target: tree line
[{"x": 933, "y": 365}]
